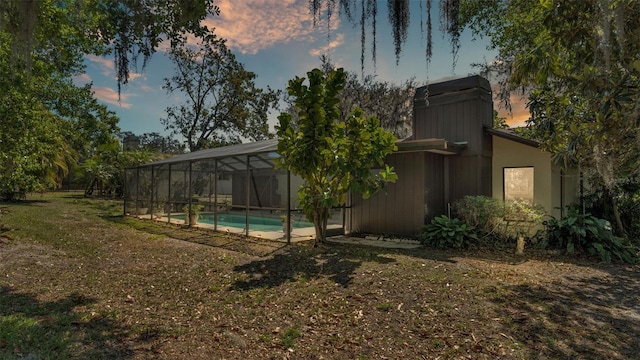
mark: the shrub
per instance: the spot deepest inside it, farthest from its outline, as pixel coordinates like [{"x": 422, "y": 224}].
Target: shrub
[
  {"x": 445, "y": 232},
  {"x": 521, "y": 217},
  {"x": 481, "y": 212},
  {"x": 501, "y": 219},
  {"x": 585, "y": 232}
]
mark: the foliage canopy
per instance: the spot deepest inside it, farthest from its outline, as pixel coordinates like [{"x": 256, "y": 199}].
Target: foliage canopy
[
  {"x": 49, "y": 123},
  {"x": 127, "y": 29}
]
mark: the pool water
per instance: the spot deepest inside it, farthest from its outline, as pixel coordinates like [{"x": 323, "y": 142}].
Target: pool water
[{"x": 255, "y": 222}]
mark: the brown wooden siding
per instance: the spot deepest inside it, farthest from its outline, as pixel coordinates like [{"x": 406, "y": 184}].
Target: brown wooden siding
[
  {"x": 457, "y": 117},
  {"x": 470, "y": 175},
  {"x": 460, "y": 116},
  {"x": 434, "y": 186},
  {"x": 399, "y": 209}
]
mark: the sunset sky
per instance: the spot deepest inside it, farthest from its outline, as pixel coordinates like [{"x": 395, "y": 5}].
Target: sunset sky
[{"x": 276, "y": 40}]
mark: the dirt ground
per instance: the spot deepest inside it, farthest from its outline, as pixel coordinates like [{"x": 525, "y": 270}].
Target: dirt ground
[{"x": 104, "y": 286}]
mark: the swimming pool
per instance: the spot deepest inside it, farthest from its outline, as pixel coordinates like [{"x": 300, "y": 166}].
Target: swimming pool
[{"x": 255, "y": 222}]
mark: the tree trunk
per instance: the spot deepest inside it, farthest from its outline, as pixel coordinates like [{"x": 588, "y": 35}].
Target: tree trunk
[
  {"x": 325, "y": 217},
  {"x": 320, "y": 217},
  {"x": 616, "y": 216},
  {"x": 317, "y": 224}
]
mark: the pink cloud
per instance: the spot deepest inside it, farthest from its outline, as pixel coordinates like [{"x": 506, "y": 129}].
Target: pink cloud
[
  {"x": 135, "y": 75},
  {"x": 107, "y": 65},
  {"x": 338, "y": 40},
  {"x": 146, "y": 88},
  {"x": 252, "y": 25},
  {"x": 110, "y": 96}
]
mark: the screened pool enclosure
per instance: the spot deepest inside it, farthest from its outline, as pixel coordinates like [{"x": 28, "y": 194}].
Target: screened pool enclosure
[{"x": 234, "y": 189}]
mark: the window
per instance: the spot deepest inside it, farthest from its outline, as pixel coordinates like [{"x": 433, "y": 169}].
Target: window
[{"x": 518, "y": 183}]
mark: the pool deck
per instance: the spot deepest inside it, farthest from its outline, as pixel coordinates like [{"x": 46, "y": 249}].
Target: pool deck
[{"x": 299, "y": 234}]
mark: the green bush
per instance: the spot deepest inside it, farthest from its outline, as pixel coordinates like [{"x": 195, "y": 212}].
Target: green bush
[
  {"x": 522, "y": 218},
  {"x": 445, "y": 232},
  {"x": 481, "y": 212},
  {"x": 585, "y": 232},
  {"x": 499, "y": 219}
]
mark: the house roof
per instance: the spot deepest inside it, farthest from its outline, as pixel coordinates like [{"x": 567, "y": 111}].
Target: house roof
[
  {"x": 230, "y": 151},
  {"x": 452, "y": 86},
  {"x": 438, "y": 146},
  {"x": 510, "y": 134}
]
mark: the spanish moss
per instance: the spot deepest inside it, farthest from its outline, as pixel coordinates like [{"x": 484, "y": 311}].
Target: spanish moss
[
  {"x": 363, "y": 37},
  {"x": 331, "y": 7},
  {"x": 347, "y": 7},
  {"x": 399, "y": 19},
  {"x": 315, "y": 6},
  {"x": 429, "y": 52},
  {"x": 449, "y": 17},
  {"x": 372, "y": 12}
]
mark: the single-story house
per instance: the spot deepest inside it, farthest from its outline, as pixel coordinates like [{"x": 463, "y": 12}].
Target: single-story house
[{"x": 453, "y": 152}]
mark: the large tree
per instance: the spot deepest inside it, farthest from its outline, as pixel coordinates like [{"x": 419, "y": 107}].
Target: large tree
[
  {"x": 33, "y": 147},
  {"x": 48, "y": 123},
  {"x": 579, "y": 61},
  {"x": 222, "y": 103},
  {"x": 331, "y": 157},
  {"x": 390, "y": 103}
]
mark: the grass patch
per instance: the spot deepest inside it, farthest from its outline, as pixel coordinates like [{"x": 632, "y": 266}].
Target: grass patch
[{"x": 289, "y": 336}]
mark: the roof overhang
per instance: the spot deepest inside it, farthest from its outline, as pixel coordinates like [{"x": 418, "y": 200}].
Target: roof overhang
[
  {"x": 269, "y": 147},
  {"x": 509, "y": 134},
  {"x": 436, "y": 146}
]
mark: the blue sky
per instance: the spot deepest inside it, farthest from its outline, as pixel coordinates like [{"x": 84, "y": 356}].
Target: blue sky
[{"x": 276, "y": 40}]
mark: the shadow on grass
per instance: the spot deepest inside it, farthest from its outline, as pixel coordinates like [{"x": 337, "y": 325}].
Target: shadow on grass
[
  {"x": 5, "y": 205},
  {"x": 303, "y": 261},
  {"x": 505, "y": 254},
  {"x": 30, "y": 328},
  {"x": 577, "y": 318}
]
